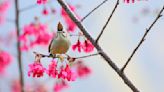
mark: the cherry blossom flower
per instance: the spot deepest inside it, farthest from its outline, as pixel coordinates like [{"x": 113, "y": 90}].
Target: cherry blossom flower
[
  {"x": 36, "y": 69},
  {"x": 5, "y": 60},
  {"x": 82, "y": 69},
  {"x": 60, "y": 85},
  {"x": 52, "y": 70},
  {"x": 3, "y": 9},
  {"x": 70, "y": 24},
  {"x": 78, "y": 46},
  {"x": 71, "y": 76},
  {"x": 45, "y": 11},
  {"x": 128, "y": 1},
  {"x": 15, "y": 86},
  {"x": 40, "y": 88},
  {"x": 42, "y": 1},
  {"x": 87, "y": 46},
  {"x": 34, "y": 34},
  {"x": 67, "y": 73}
]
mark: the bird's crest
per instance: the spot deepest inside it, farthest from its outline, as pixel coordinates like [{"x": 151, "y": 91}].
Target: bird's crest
[{"x": 60, "y": 27}]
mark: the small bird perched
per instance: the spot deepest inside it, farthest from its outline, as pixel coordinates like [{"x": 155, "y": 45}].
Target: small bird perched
[{"x": 60, "y": 43}]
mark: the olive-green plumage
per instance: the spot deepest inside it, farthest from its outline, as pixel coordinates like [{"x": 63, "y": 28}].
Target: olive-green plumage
[{"x": 60, "y": 44}]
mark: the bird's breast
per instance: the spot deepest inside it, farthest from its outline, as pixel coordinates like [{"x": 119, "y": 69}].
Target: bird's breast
[{"x": 60, "y": 46}]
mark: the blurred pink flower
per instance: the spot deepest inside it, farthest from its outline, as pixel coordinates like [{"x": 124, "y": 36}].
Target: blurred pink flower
[
  {"x": 42, "y": 1},
  {"x": 5, "y": 60},
  {"x": 45, "y": 11},
  {"x": 70, "y": 24},
  {"x": 15, "y": 86},
  {"x": 34, "y": 34},
  {"x": 4, "y": 5},
  {"x": 52, "y": 69},
  {"x": 59, "y": 86},
  {"x": 128, "y": 1},
  {"x": 40, "y": 88},
  {"x": 36, "y": 69},
  {"x": 82, "y": 69},
  {"x": 78, "y": 46},
  {"x": 87, "y": 46}
]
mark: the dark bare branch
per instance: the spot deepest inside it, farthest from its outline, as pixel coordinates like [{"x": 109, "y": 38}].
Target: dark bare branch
[
  {"x": 17, "y": 15},
  {"x": 102, "y": 53},
  {"x": 110, "y": 16},
  {"x": 142, "y": 39},
  {"x": 50, "y": 56},
  {"x": 28, "y": 7},
  {"x": 93, "y": 10}
]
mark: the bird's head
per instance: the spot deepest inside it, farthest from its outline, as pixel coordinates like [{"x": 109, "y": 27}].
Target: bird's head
[{"x": 60, "y": 29}]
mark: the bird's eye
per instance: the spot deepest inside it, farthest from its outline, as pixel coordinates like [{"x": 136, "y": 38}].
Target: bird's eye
[{"x": 64, "y": 33}]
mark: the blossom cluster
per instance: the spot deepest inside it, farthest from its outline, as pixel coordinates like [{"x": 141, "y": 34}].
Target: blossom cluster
[
  {"x": 70, "y": 24},
  {"x": 36, "y": 69},
  {"x": 34, "y": 34},
  {"x": 60, "y": 72},
  {"x": 86, "y": 46}
]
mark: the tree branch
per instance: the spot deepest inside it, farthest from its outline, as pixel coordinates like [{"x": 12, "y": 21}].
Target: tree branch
[
  {"x": 18, "y": 45},
  {"x": 102, "y": 53},
  {"x": 28, "y": 7},
  {"x": 115, "y": 7},
  {"x": 93, "y": 10},
  {"x": 142, "y": 39},
  {"x": 50, "y": 56}
]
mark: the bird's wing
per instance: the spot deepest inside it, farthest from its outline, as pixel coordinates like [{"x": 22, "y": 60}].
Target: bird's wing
[{"x": 49, "y": 47}]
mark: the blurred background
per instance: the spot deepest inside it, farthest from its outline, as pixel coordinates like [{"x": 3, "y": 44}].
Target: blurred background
[{"x": 121, "y": 36}]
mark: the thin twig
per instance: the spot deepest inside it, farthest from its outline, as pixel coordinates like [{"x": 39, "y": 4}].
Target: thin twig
[
  {"x": 102, "y": 53},
  {"x": 142, "y": 40},
  {"x": 28, "y": 7},
  {"x": 87, "y": 56},
  {"x": 17, "y": 15},
  {"x": 110, "y": 16},
  {"x": 50, "y": 56},
  {"x": 93, "y": 10}
]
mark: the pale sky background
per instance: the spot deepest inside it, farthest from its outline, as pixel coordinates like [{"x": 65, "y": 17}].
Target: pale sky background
[{"x": 146, "y": 69}]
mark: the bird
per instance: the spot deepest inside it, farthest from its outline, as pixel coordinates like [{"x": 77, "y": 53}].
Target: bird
[{"x": 60, "y": 44}]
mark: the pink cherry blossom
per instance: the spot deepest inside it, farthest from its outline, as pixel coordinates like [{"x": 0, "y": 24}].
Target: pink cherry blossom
[
  {"x": 70, "y": 24},
  {"x": 36, "y": 69},
  {"x": 71, "y": 76},
  {"x": 34, "y": 34},
  {"x": 82, "y": 69},
  {"x": 45, "y": 11},
  {"x": 62, "y": 74},
  {"x": 87, "y": 46},
  {"x": 5, "y": 60},
  {"x": 60, "y": 85},
  {"x": 15, "y": 86},
  {"x": 3, "y": 9},
  {"x": 67, "y": 73},
  {"x": 128, "y": 1},
  {"x": 41, "y": 88},
  {"x": 52, "y": 70},
  {"x": 78, "y": 46},
  {"x": 42, "y": 1}
]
